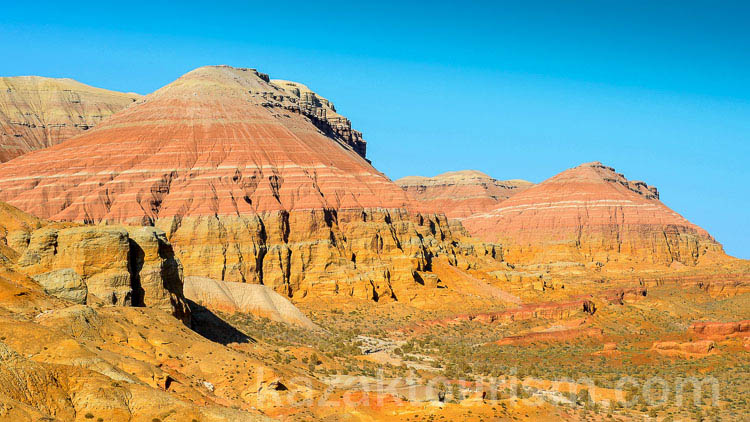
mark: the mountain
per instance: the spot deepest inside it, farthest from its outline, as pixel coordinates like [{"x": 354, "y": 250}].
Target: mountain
[
  {"x": 248, "y": 185},
  {"x": 222, "y": 250},
  {"x": 591, "y": 213},
  {"x": 37, "y": 112},
  {"x": 313, "y": 105},
  {"x": 460, "y": 194}
]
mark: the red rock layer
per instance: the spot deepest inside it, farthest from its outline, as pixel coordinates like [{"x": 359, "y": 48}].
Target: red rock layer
[
  {"x": 218, "y": 141},
  {"x": 460, "y": 194},
  {"x": 591, "y": 213},
  {"x": 38, "y": 112}
]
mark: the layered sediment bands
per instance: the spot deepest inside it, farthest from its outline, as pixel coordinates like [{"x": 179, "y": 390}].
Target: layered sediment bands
[
  {"x": 323, "y": 113},
  {"x": 218, "y": 141},
  {"x": 38, "y": 112},
  {"x": 248, "y": 188},
  {"x": 460, "y": 194},
  {"x": 591, "y": 213},
  {"x": 368, "y": 254}
]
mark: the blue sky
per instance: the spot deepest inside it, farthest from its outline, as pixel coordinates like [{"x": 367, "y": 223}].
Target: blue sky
[{"x": 660, "y": 90}]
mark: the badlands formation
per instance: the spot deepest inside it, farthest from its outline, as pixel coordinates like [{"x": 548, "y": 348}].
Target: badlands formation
[
  {"x": 592, "y": 213},
  {"x": 222, "y": 250},
  {"x": 39, "y": 112},
  {"x": 249, "y": 187},
  {"x": 459, "y": 194}
]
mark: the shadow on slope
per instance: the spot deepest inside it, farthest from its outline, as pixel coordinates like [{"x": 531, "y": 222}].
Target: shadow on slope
[{"x": 212, "y": 327}]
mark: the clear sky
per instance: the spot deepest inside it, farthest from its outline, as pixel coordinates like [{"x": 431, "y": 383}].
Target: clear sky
[{"x": 660, "y": 90}]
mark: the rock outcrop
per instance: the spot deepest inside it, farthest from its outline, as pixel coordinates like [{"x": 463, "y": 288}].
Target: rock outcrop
[
  {"x": 323, "y": 114},
  {"x": 721, "y": 330},
  {"x": 592, "y": 214},
  {"x": 98, "y": 256},
  {"x": 39, "y": 112},
  {"x": 460, "y": 194},
  {"x": 689, "y": 349},
  {"x": 125, "y": 266},
  {"x": 106, "y": 265},
  {"x": 15, "y": 226},
  {"x": 248, "y": 188}
]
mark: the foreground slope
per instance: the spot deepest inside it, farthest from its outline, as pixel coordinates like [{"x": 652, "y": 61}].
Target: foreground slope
[
  {"x": 38, "y": 112},
  {"x": 249, "y": 187},
  {"x": 66, "y": 356},
  {"x": 592, "y": 213},
  {"x": 70, "y": 356},
  {"x": 459, "y": 194}
]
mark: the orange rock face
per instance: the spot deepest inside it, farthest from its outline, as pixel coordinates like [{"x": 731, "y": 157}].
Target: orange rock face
[
  {"x": 102, "y": 265},
  {"x": 591, "y": 213},
  {"x": 247, "y": 184},
  {"x": 460, "y": 194},
  {"x": 38, "y": 112},
  {"x": 721, "y": 329},
  {"x": 691, "y": 349}
]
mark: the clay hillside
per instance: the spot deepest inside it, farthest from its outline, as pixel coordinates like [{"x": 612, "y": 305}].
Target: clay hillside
[
  {"x": 460, "y": 194},
  {"x": 222, "y": 250},
  {"x": 39, "y": 112},
  {"x": 592, "y": 213}
]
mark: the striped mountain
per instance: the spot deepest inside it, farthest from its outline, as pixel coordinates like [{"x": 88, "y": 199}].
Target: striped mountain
[
  {"x": 591, "y": 213},
  {"x": 249, "y": 184},
  {"x": 459, "y": 194}
]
